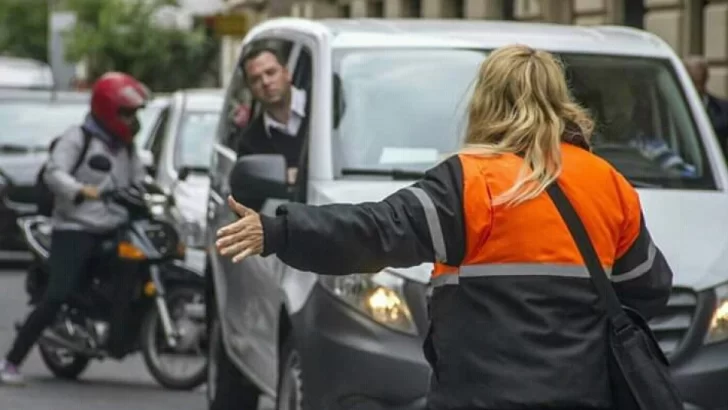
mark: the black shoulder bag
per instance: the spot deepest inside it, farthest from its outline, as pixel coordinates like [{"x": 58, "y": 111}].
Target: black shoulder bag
[{"x": 638, "y": 369}]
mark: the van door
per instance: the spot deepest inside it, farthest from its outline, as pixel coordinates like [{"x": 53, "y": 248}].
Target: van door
[{"x": 243, "y": 291}]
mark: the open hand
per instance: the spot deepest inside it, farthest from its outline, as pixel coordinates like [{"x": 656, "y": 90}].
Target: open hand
[{"x": 243, "y": 237}]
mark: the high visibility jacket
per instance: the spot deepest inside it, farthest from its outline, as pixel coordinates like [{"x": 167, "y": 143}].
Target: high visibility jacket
[{"x": 515, "y": 321}]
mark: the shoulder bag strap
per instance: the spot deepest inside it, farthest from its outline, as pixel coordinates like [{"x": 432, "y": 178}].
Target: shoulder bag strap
[
  {"x": 84, "y": 149},
  {"x": 598, "y": 276}
]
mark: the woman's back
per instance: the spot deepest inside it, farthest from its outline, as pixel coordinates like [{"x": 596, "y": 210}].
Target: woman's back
[{"x": 523, "y": 324}]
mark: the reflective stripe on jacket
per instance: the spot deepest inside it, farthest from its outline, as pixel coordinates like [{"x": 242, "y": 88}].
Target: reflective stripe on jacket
[{"x": 515, "y": 322}]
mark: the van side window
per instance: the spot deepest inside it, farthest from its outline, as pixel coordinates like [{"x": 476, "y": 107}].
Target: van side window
[
  {"x": 302, "y": 80},
  {"x": 241, "y": 108}
]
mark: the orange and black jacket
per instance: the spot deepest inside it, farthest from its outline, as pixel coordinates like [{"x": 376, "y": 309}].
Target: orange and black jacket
[{"x": 515, "y": 321}]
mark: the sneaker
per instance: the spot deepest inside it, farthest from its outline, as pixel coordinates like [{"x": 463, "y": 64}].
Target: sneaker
[{"x": 9, "y": 374}]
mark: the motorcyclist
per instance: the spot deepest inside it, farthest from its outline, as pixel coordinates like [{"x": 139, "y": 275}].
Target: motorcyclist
[{"x": 80, "y": 222}]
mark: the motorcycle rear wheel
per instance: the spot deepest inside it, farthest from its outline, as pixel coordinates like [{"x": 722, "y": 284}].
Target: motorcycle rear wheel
[{"x": 69, "y": 370}]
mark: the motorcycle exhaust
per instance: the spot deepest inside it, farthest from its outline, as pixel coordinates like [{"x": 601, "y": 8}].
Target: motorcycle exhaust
[{"x": 51, "y": 338}]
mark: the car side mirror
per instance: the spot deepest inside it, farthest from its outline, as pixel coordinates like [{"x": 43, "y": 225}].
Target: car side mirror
[
  {"x": 147, "y": 159},
  {"x": 259, "y": 176},
  {"x": 186, "y": 170}
]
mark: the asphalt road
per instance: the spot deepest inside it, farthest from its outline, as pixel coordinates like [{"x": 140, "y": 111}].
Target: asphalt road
[{"x": 107, "y": 385}]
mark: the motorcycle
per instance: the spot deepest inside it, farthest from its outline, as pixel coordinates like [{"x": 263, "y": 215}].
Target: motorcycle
[{"x": 138, "y": 296}]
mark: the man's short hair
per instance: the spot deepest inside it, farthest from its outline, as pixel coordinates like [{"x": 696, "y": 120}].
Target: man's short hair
[
  {"x": 257, "y": 50},
  {"x": 695, "y": 60}
]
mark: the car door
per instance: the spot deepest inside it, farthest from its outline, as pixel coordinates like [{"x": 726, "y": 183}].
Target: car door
[{"x": 244, "y": 291}]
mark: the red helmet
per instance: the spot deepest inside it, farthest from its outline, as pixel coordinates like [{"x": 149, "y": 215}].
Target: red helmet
[{"x": 114, "y": 96}]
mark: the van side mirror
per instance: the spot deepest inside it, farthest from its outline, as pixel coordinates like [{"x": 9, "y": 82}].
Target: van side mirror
[{"x": 258, "y": 177}]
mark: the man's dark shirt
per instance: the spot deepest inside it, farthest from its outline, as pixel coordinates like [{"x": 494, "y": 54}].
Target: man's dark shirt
[
  {"x": 255, "y": 140},
  {"x": 717, "y": 109}
]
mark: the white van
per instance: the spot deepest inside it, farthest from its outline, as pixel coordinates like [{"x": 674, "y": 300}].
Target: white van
[{"x": 387, "y": 97}]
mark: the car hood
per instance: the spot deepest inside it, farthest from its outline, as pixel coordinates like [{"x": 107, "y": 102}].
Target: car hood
[
  {"x": 190, "y": 196},
  {"x": 22, "y": 168},
  {"x": 688, "y": 226}
]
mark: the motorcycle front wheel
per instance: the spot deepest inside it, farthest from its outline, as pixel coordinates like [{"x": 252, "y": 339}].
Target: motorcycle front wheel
[{"x": 191, "y": 341}]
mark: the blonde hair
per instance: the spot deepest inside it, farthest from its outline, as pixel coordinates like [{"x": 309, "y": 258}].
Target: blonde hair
[{"x": 521, "y": 104}]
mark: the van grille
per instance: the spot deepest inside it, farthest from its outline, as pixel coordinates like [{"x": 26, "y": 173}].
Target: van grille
[{"x": 672, "y": 325}]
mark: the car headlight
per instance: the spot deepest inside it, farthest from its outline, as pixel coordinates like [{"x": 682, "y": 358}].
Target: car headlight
[
  {"x": 718, "y": 328},
  {"x": 192, "y": 234},
  {"x": 378, "y": 296}
]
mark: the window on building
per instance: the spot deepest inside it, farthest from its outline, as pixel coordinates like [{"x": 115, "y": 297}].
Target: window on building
[
  {"x": 634, "y": 13},
  {"x": 508, "y": 10},
  {"x": 345, "y": 11},
  {"x": 413, "y": 8},
  {"x": 454, "y": 9},
  {"x": 376, "y": 8}
]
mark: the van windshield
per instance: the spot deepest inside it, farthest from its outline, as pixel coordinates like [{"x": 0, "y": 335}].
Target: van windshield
[{"x": 406, "y": 109}]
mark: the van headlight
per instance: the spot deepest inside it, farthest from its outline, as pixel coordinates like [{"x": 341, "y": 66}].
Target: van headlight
[
  {"x": 718, "y": 328},
  {"x": 378, "y": 296}
]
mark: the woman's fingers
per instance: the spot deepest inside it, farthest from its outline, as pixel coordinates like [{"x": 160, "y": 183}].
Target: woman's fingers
[
  {"x": 231, "y": 238},
  {"x": 239, "y": 209},
  {"x": 234, "y": 248},
  {"x": 240, "y": 246},
  {"x": 240, "y": 225},
  {"x": 242, "y": 255}
]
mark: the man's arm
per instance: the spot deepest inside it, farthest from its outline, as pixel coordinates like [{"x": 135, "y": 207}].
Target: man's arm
[{"x": 62, "y": 159}]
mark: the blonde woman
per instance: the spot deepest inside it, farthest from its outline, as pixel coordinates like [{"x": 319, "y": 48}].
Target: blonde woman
[{"x": 514, "y": 316}]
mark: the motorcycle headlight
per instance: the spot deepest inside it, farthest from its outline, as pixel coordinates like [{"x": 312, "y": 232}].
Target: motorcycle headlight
[
  {"x": 157, "y": 204},
  {"x": 378, "y": 296},
  {"x": 718, "y": 328}
]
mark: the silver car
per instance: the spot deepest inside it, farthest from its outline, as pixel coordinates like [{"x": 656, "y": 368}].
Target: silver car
[{"x": 178, "y": 154}]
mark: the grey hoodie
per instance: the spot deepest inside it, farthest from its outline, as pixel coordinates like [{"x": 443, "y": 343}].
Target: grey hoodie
[{"x": 90, "y": 215}]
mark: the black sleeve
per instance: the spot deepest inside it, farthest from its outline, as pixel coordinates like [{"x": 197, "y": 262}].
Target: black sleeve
[
  {"x": 642, "y": 278},
  {"x": 420, "y": 223}
]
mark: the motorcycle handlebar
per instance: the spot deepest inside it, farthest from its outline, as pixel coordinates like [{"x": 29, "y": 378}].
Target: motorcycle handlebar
[{"x": 113, "y": 195}]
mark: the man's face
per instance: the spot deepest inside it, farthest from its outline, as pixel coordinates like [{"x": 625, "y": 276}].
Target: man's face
[
  {"x": 699, "y": 75},
  {"x": 268, "y": 79},
  {"x": 618, "y": 104}
]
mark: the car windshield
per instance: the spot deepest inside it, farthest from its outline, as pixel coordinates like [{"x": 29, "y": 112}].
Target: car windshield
[
  {"x": 195, "y": 139},
  {"x": 32, "y": 125},
  {"x": 393, "y": 111}
]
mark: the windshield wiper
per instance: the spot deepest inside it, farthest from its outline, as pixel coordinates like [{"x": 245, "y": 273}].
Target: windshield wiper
[
  {"x": 396, "y": 174},
  {"x": 637, "y": 183},
  {"x": 12, "y": 148}
]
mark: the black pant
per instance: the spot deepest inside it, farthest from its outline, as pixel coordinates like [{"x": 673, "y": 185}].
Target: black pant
[
  {"x": 234, "y": 390},
  {"x": 70, "y": 253}
]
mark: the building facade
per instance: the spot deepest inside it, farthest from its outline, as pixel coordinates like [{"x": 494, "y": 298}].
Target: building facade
[{"x": 689, "y": 26}]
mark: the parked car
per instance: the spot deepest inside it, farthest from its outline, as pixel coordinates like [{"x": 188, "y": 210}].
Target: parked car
[
  {"x": 25, "y": 73},
  {"x": 30, "y": 120},
  {"x": 178, "y": 154},
  {"x": 378, "y": 107},
  {"x": 149, "y": 117}
]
